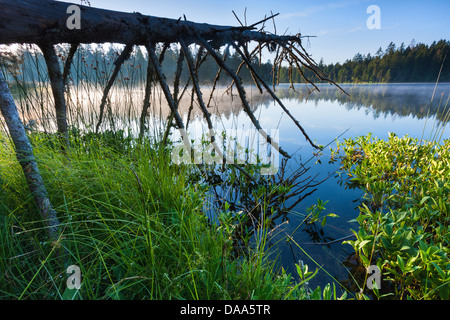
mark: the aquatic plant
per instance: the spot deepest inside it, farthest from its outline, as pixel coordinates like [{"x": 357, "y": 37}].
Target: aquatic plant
[{"x": 405, "y": 214}]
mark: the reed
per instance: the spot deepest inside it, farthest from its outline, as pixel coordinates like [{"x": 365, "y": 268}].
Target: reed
[{"x": 134, "y": 222}]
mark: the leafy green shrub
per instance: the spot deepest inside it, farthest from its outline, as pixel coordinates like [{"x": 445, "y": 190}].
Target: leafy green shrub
[{"x": 404, "y": 219}]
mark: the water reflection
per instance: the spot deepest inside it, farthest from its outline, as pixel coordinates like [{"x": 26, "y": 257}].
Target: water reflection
[
  {"x": 380, "y": 109},
  {"x": 382, "y": 99}
]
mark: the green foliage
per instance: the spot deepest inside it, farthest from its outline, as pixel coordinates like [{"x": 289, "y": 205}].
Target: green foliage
[
  {"x": 132, "y": 221},
  {"x": 315, "y": 211},
  {"x": 417, "y": 62},
  {"x": 404, "y": 219}
]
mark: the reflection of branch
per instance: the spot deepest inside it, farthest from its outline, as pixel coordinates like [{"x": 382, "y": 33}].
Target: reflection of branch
[
  {"x": 274, "y": 96},
  {"x": 242, "y": 95},
  {"x": 330, "y": 242}
]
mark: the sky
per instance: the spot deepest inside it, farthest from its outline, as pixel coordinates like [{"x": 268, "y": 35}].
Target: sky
[{"x": 339, "y": 27}]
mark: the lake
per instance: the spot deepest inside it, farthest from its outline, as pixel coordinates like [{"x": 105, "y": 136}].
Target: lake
[
  {"x": 404, "y": 109},
  {"x": 373, "y": 108}
]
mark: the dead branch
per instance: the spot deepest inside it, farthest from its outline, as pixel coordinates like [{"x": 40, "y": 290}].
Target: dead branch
[
  {"x": 25, "y": 157},
  {"x": 242, "y": 95},
  {"x": 125, "y": 54},
  {"x": 57, "y": 84},
  {"x": 147, "y": 95},
  {"x": 43, "y": 22},
  {"x": 68, "y": 63},
  {"x": 274, "y": 96}
]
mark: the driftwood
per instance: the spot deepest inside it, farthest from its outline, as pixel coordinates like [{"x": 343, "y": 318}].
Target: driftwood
[{"x": 44, "y": 22}]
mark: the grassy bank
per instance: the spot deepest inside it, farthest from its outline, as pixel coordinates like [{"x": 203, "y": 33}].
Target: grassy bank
[
  {"x": 134, "y": 224},
  {"x": 405, "y": 215}
]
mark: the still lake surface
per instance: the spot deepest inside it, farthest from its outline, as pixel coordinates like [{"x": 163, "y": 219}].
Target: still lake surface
[{"x": 404, "y": 109}]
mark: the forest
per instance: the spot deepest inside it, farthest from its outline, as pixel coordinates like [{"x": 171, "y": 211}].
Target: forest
[{"x": 417, "y": 62}]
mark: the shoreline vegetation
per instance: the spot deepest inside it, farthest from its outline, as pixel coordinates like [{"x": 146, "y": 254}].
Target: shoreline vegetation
[
  {"x": 405, "y": 214},
  {"x": 135, "y": 225}
]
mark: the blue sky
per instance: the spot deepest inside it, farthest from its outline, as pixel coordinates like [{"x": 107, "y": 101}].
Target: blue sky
[{"x": 339, "y": 26}]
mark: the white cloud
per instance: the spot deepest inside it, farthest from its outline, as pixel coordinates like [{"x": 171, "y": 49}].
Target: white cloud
[{"x": 357, "y": 28}]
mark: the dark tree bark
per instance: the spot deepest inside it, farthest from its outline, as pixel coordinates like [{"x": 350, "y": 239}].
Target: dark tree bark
[
  {"x": 26, "y": 21},
  {"x": 57, "y": 83},
  {"x": 25, "y": 157}
]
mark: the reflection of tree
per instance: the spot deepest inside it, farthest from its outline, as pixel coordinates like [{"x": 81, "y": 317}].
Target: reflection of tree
[
  {"x": 255, "y": 197},
  {"x": 389, "y": 99}
]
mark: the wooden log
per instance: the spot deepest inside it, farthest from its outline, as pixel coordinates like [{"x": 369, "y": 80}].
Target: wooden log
[{"x": 26, "y": 21}]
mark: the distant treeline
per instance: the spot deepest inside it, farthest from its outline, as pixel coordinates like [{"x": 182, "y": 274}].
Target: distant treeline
[
  {"x": 94, "y": 63},
  {"x": 412, "y": 63}
]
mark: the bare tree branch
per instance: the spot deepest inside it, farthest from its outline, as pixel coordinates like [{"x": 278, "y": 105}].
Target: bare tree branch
[
  {"x": 125, "y": 54},
  {"x": 25, "y": 156},
  {"x": 57, "y": 83}
]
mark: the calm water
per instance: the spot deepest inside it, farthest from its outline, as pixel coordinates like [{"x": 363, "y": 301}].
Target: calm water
[
  {"x": 379, "y": 109},
  {"x": 325, "y": 115}
]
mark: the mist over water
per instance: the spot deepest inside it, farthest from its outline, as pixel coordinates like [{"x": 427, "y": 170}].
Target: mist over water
[
  {"x": 418, "y": 110},
  {"x": 404, "y": 109}
]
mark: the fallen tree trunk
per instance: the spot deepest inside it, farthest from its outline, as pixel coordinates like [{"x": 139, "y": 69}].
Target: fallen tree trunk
[
  {"x": 45, "y": 22},
  {"x": 27, "y": 21}
]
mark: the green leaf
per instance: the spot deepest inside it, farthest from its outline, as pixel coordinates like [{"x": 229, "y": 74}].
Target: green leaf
[
  {"x": 439, "y": 270},
  {"x": 316, "y": 295},
  {"x": 362, "y": 244},
  {"x": 333, "y": 215},
  {"x": 424, "y": 199},
  {"x": 327, "y": 292},
  {"x": 401, "y": 263},
  {"x": 444, "y": 292}
]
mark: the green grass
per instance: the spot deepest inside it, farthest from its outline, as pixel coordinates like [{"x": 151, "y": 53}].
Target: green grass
[{"x": 134, "y": 224}]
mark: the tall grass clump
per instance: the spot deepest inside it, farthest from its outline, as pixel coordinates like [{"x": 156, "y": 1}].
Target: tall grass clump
[{"x": 131, "y": 220}]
